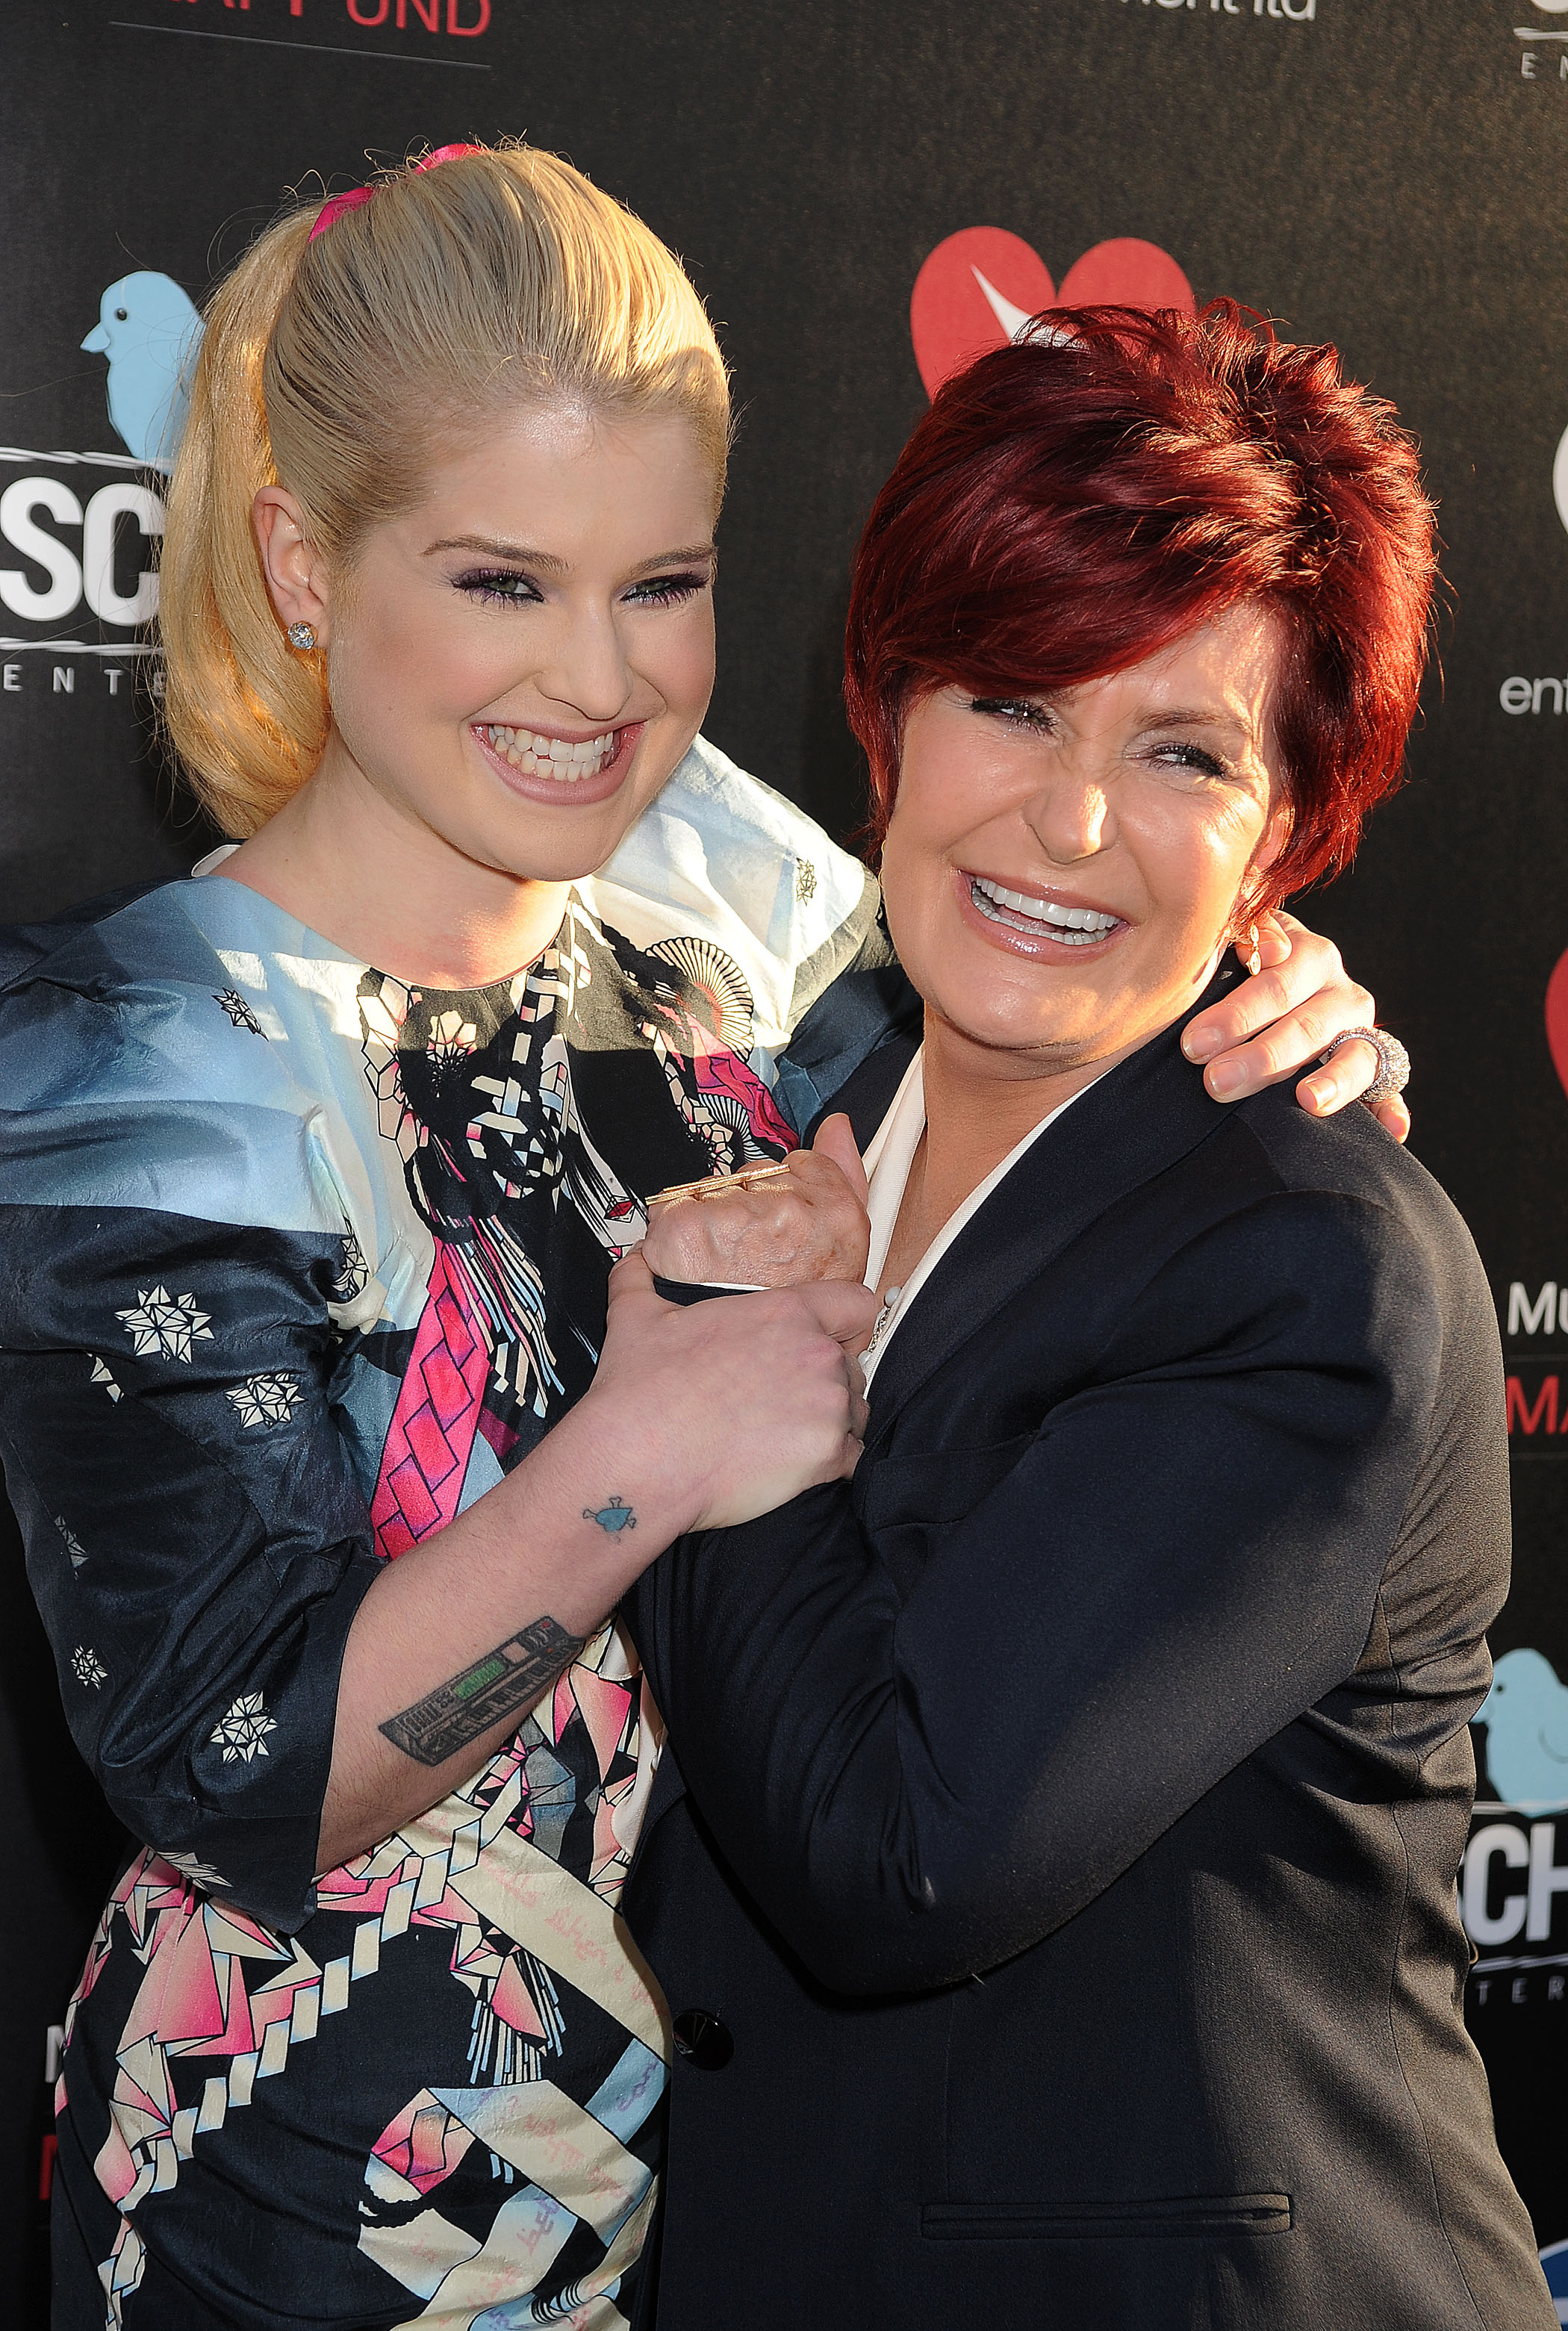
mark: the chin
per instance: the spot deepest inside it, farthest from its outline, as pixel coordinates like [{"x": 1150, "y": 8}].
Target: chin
[
  {"x": 535, "y": 846},
  {"x": 1044, "y": 1007},
  {"x": 1008, "y": 1032},
  {"x": 535, "y": 865}
]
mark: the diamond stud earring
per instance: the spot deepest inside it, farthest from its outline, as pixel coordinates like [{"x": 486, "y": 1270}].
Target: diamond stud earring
[{"x": 302, "y": 636}]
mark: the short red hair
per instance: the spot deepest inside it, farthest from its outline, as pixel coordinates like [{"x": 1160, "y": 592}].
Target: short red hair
[{"x": 1079, "y": 500}]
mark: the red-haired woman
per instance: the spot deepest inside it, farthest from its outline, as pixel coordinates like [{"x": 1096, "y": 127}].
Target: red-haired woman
[{"x": 1059, "y": 1921}]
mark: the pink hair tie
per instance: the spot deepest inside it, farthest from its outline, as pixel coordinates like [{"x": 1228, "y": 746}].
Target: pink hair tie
[
  {"x": 448, "y": 154},
  {"x": 334, "y": 207}
]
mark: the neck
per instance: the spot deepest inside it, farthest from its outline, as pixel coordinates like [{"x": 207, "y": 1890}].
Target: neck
[
  {"x": 981, "y": 1102},
  {"x": 383, "y": 886}
]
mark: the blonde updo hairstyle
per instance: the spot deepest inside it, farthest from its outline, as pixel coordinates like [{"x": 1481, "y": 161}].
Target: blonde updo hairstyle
[{"x": 341, "y": 368}]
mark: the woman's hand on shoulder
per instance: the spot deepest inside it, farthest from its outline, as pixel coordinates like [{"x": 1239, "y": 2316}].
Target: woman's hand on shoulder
[
  {"x": 1271, "y": 1026},
  {"x": 723, "y": 1410},
  {"x": 806, "y": 1224}
]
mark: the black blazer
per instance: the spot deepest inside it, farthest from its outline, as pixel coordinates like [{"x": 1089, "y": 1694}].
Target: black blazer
[{"x": 1055, "y": 1890}]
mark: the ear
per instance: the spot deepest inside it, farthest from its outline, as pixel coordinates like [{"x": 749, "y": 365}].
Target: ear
[
  {"x": 295, "y": 576},
  {"x": 1276, "y": 834}
]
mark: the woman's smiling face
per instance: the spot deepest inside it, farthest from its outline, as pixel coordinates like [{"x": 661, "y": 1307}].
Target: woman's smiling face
[
  {"x": 1061, "y": 872},
  {"x": 517, "y": 664}
]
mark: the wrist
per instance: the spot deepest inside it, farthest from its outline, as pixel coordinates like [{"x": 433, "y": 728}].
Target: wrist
[{"x": 612, "y": 1455}]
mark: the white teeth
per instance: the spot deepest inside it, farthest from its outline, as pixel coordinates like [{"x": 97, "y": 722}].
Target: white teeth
[
  {"x": 560, "y": 757},
  {"x": 1084, "y": 924}
]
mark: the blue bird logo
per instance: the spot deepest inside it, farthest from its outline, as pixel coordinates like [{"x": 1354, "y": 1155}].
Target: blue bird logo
[
  {"x": 615, "y": 1518},
  {"x": 1526, "y": 1714},
  {"x": 149, "y": 331}
]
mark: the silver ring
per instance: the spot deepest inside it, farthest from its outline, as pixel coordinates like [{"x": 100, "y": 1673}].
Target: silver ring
[{"x": 1393, "y": 1061}]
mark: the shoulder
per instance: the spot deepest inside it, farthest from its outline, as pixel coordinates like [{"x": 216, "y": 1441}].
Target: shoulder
[
  {"x": 155, "y": 1053},
  {"x": 95, "y": 943},
  {"x": 1330, "y": 1223},
  {"x": 144, "y": 989},
  {"x": 1350, "y": 1157},
  {"x": 25, "y": 947},
  {"x": 1181, "y": 1226},
  {"x": 77, "y": 996},
  {"x": 727, "y": 880}
]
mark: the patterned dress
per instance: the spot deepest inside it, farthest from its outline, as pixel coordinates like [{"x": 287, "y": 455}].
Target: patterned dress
[{"x": 298, "y": 1261}]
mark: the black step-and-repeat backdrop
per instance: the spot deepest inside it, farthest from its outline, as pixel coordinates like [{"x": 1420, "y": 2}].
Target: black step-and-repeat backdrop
[{"x": 865, "y": 192}]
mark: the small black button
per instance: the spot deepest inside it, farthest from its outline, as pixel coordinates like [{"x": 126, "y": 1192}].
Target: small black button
[{"x": 701, "y": 2040}]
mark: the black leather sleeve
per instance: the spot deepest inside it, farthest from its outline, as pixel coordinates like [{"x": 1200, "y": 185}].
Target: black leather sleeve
[{"x": 919, "y": 1768}]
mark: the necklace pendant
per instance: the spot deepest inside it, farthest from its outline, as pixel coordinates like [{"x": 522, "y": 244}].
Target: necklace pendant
[{"x": 883, "y": 1321}]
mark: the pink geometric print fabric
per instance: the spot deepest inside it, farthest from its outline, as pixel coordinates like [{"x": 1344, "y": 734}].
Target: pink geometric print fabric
[
  {"x": 433, "y": 1428},
  {"x": 528, "y": 1941},
  {"x": 496, "y": 2150},
  {"x": 723, "y": 1072}
]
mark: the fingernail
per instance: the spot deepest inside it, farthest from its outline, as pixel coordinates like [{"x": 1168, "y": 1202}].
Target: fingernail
[
  {"x": 1201, "y": 1043},
  {"x": 1322, "y": 1089},
  {"x": 1225, "y": 1077}
]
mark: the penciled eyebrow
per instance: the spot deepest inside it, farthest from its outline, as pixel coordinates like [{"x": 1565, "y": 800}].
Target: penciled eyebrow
[
  {"x": 521, "y": 553},
  {"x": 1156, "y": 719}
]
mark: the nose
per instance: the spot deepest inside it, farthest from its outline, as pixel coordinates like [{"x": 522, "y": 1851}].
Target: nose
[
  {"x": 588, "y": 674},
  {"x": 1070, "y": 815}
]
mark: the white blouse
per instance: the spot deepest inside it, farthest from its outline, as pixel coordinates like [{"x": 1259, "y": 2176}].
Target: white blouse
[{"x": 889, "y": 1157}]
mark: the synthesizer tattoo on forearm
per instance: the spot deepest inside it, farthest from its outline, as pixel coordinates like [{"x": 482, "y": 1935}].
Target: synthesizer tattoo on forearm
[{"x": 505, "y": 1681}]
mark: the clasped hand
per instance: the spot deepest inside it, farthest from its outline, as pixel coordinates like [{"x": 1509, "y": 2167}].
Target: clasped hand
[
  {"x": 805, "y": 1224},
  {"x": 718, "y": 1412}
]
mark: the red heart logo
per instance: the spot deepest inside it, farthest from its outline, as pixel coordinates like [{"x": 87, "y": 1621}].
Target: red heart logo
[
  {"x": 1557, "y": 1019},
  {"x": 980, "y": 287}
]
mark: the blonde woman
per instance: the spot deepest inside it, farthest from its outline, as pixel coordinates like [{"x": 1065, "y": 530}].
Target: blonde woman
[{"x": 315, "y": 1169}]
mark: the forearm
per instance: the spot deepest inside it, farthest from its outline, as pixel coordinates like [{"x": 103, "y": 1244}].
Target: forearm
[
  {"x": 924, "y": 1738},
  {"x": 459, "y": 1637},
  {"x": 863, "y": 1757},
  {"x": 258, "y": 1694}
]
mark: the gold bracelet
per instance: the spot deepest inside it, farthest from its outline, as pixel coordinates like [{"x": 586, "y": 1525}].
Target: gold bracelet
[{"x": 716, "y": 1183}]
